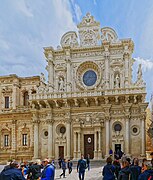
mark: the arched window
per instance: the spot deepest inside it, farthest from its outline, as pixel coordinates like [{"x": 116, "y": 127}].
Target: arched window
[{"x": 25, "y": 99}]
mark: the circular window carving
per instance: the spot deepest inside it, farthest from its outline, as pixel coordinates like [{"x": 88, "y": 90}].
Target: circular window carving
[
  {"x": 62, "y": 130},
  {"x": 46, "y": 133},
  {"x": 117, "y": 127},
  {"x": 88, "y": 75},
  {"x": 89, "y": 78},
  {"x": 135, "y": 130}
]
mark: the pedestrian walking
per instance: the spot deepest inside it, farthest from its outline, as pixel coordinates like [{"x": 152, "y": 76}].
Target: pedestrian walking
[
  {"x": 109, "y": 170},
  {"x": 81, "y": 167},
  {"x": 63, "y": 168},
  {"x": 60, "y": 162},
  {"x": 88, "y": 161},
  {"x": 69, "y": 166}
]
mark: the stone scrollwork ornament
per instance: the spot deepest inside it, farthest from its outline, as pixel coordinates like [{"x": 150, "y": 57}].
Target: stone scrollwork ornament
[
  {"x": 69, "y": 39},
  {"x": 108, "y": 34}
]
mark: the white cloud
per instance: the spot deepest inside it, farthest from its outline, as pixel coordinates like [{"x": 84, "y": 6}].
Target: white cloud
[
  {"x": 147, "y": 64},
  {"x": 25, "y": 37}
]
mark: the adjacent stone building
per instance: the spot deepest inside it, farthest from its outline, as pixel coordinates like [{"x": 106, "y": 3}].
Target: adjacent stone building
[{"x": 88, "y": 105}]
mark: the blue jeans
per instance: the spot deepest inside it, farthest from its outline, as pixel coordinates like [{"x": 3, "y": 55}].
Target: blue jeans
[{"x": 81, "y": 175}]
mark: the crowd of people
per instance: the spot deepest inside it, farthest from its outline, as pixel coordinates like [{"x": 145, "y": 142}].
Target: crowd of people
[
  {"x": 124, "y": 169},
  {"x": 116, "y": 168}
]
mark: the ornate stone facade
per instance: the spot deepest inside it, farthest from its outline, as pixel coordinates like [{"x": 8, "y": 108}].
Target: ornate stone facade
[{"x": 88, "y": 105}]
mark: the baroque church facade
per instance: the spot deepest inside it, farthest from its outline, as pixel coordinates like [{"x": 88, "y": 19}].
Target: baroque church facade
[{"x": 88, "y": 105}]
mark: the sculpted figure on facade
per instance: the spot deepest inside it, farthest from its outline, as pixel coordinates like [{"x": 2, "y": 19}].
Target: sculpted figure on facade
[
  {"x": 139, "y": 81},
  {"x": 42, "y": 78},
  {"x": 117, "y": 81},
  {"x": 61, "y": 84}
]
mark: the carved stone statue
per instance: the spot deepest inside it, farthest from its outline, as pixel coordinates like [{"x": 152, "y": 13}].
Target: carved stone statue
[
  {"x": 117, "y": 81},
  {"x": 42, "y": 78},
  {"x": 139, "y": 81},
  {"x": 139, "y": 73},
  {"x": 61, "y": 84}
]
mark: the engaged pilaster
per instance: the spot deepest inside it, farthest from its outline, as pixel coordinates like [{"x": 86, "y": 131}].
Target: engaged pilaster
[
  {"x": 36, "y": 139},
  {"x": 50, "y": 138}
]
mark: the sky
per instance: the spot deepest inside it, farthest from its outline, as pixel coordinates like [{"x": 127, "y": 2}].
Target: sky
[{"x": 26, "y": 26}]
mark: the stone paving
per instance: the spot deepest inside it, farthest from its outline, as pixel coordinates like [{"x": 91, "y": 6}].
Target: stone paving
[{"x": 93, "y": 174}]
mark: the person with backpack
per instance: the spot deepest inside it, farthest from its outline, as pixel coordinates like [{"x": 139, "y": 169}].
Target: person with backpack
[
  {"x": 35, "y": 170},
  {"x": 81, "y": 167},
  {"x": 48, "y": 172},
  {"x": 109, "y": 170}
]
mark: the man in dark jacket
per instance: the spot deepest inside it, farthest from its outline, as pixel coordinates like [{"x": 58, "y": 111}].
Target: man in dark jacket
[
  {"x": 69, "y": 166},
  {"x": 63, "y": 168},
  {"x": 48, "y": 172},
  {"x": 12, "y": 173},
  {"x": 81, "y": 167}
]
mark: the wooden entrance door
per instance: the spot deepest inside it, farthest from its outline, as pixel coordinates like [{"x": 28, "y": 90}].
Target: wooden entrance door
[
  {"x": 89, "y": 145},
  {"x": 61, "y": 152}
]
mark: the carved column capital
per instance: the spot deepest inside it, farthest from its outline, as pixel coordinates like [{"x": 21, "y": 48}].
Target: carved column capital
[
  {"x": 36, "y": 121},
  {"x": 50, "y": 121}
]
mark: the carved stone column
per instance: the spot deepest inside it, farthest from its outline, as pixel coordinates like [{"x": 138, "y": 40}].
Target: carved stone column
[
  {"x": 14, "y": 96},
  {"x": 99, "y": 145},
  {"x": 13, "y": 144},
  {"x": 75, "y": 140},
  {"x": 50, "y": 69},
  {"x": 50, "y": 138},
  {"x": 143, "y": 141},
  {"x": 126, "y": 57},
  {"x": 106, "y": 54},
  {"x": 68, "y": 75},
  {"x": 95, "y": 144},
  {"x": 79, "y": 141},
  {"x": 68, "y": 138},
  {"x": 127, "y": 135},
  {"x": 107, "y": 135},
  {"x": 36, "y": 139}
]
